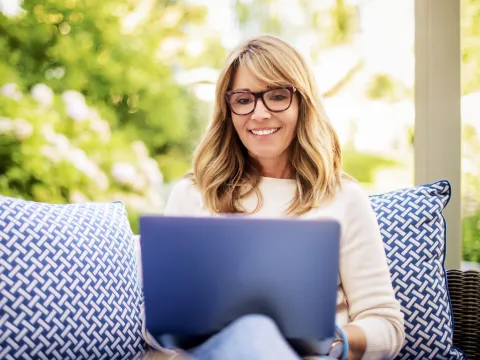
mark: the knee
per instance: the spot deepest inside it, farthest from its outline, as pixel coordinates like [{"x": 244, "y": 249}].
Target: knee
[
  {"x": 259, "y": 333},
  {"x": 255, "y": 323}
]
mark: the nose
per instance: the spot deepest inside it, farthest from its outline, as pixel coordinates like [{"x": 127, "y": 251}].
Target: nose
[{"x": 260, "y": 112}]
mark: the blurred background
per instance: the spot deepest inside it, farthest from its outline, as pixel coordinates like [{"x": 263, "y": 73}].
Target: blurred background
[{"x": 106, "y": 100}]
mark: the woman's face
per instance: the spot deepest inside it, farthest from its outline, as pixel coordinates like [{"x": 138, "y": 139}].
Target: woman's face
[{"x": 267, "y": 135}]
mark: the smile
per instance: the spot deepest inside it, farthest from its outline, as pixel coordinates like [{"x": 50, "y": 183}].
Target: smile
[{"x": 264, "y": 132}]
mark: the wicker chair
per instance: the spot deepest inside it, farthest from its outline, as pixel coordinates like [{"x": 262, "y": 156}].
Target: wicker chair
[{"x": 464, "y": 287}]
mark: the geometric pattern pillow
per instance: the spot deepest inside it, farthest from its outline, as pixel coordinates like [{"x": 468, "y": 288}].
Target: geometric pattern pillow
[
  {"x": 68, "y": 282},
  {"x": 413, "y": 230}
]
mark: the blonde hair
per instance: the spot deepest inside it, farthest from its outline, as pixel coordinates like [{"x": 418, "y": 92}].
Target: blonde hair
[{"x": 221, "y": 167}]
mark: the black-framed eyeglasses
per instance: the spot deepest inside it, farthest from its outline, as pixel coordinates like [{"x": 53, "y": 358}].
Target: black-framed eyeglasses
[{"x": 244, "y": 102}]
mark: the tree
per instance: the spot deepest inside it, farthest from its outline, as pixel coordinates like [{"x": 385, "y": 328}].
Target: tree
[
  {"x": 81, "y": 81},
  {"x": 116, "y": 62}
]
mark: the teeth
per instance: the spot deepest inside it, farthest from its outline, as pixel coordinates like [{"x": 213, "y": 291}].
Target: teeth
[{"x": 264, "y": 132}]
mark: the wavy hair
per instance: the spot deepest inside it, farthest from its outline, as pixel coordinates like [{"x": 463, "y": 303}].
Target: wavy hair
[{"x": 221, "y": 167}]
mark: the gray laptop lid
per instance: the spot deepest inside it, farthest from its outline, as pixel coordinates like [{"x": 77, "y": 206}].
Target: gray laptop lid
[{"x": 200, "y": 274}]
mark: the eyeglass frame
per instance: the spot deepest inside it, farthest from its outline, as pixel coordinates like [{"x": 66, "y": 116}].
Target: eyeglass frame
[{"x": 259, "y": 95}]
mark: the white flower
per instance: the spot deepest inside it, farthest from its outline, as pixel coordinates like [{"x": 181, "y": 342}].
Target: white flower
[
  {"x": 151, "y": 170},
  {"x": 22, "y": 129},
  {"x": 60, "y": 141},
  {"x": 42, "y": 94},
  {"x": 48, "y": 132},
  {"x": 6, "y": 125},
  {"x": 78, "y": 112},
  {"x": 148, "y": 166},
  {"x": 100, "y": 126},
  {"x": 76, "y": 107},
  {"x": 51, "y": 153},
  {"x": 60, "y": 148},
  {"x": 140, "y": 183},
  {"x": 140, "y": 149},
  {"x": 11, "y": 91},
  {"x": 79, "y": 159},
  {"x": 72, "y": 96},
  {"x": 102, "y": 180},
  {"x": 124, "y": 173}
]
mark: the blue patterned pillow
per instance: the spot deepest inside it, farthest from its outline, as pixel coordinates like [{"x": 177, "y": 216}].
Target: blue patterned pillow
[
  {"x": 68, "y": 283},
  {"x": 413, "y": 230}
]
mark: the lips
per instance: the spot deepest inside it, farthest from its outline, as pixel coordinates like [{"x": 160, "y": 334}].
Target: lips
[{"x": 264, "y": 132}]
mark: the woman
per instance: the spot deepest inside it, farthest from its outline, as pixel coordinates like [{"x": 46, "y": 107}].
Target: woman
[{"x": 270, "y": 151}]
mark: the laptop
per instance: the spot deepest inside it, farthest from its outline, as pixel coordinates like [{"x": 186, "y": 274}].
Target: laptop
[{"x": 202, "y": 273}]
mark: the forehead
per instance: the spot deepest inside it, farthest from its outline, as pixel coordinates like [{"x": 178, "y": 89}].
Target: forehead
[{"x": 243, "y": 78}]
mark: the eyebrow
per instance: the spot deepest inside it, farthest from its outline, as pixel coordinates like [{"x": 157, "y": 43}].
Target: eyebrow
[{"x": 246, "y": 89}]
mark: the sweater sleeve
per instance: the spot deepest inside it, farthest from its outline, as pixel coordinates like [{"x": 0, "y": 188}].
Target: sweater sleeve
[{"x": 366, "y": 279}]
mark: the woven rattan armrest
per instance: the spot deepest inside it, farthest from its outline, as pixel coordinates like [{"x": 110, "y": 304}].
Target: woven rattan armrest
[{"x": 464, "y": 288}]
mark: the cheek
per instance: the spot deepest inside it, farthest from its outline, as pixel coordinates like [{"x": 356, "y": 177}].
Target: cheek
[
  {"x": 238, "y": 123},
  {"x": 291, "y": 119},
  {"x": 291, "y": 116}
]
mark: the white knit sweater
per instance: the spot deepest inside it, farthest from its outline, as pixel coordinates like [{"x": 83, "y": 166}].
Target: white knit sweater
[{"x": 364, "y": 276}]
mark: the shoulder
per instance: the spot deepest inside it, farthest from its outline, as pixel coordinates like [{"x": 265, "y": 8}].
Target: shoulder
[
  {"x": 350, "y": 191},
  {"x": 184, "y": 186},
  {"x": 185, "y": 199},
  {"x": 358, "y": 215},
  {"x": 352, "y": 200}
]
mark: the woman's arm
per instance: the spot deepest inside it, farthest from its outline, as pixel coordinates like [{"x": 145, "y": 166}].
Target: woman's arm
[
  {"x": 376, "y": 329},
  {"x": 357, "y": 342}
]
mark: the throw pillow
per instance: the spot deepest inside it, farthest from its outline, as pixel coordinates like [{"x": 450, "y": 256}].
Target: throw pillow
[
  {"x": 413, "y": 229},
  {"x": 68, "y": 282}
]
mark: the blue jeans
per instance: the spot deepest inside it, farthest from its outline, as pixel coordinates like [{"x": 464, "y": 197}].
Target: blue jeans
[{"x": 252, "y": 337}]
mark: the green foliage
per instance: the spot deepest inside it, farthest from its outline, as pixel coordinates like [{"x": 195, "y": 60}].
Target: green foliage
[
  {"x": 123, "y": 70},
  {"x": 261, "y": 14},
  {"x": 344, "y": 22},
  {"x": 363, "y": 166},
  {"x": 470, "y": 194},
  {"x": 384, "y": 87},
  {"x": 470, "y": 20},
  {"x": 471, "y": 234},
  {"x": 381, "y": 86},
  {"x": 213, "y": 55}
]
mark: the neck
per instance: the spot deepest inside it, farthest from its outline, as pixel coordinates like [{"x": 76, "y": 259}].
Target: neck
[{"x": 275, "y": 168}]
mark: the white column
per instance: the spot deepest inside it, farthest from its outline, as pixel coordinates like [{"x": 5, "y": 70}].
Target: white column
[{"x": 437, "y": 107}]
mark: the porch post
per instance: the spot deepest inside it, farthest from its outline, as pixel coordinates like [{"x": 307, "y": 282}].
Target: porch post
[{"x": 437, "y": 137}]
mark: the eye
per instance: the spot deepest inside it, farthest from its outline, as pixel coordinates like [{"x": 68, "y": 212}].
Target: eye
[
  {"x": 278, "y": 97},
  {"x": 243, "y": 101}
]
